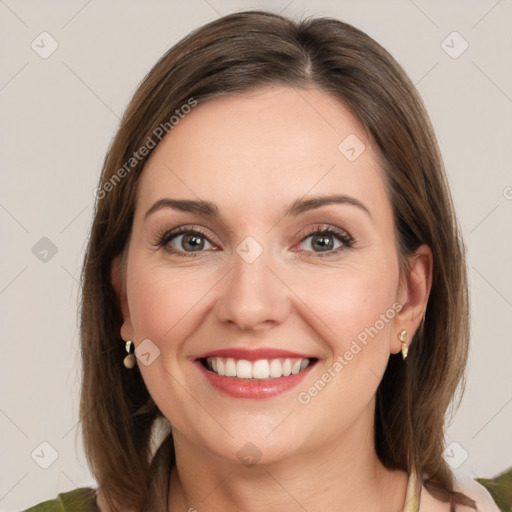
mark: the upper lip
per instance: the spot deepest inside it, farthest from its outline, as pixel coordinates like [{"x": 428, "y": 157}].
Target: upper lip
[{"x": 254, "y": 354}]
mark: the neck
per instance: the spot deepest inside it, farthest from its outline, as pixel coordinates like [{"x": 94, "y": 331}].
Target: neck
[{"x": 345, "y": 476}]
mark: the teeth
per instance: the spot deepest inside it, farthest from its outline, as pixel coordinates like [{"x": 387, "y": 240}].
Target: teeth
[
  {"x": 230, "y": 368},
  {"x": 243, "y": 369},
  {"x": 287, "y": 367},
  {"x": 276, "y": 368},
  {"x": 261, "y": 369}
]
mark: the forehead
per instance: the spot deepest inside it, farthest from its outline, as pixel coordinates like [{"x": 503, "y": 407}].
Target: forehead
[{"x": 264, "y": 149}]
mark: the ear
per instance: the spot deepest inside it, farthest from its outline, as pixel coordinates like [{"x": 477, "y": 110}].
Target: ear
[
  {"x": 118, "y": 281},
  {"x": 413, "y": 294}
]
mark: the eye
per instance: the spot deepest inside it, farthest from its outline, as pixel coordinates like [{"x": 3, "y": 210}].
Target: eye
[
  {"x": 327, "y": 241},
  {"x": 183, "y": 241}
]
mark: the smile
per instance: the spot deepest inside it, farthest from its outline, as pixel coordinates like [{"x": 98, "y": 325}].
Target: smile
[
  {"x": 256, "y": 374},
  {"x": 260, "y": 369}
]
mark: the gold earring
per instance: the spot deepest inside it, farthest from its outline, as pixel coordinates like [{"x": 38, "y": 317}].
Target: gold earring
[
  {"x": 129, "y": 360},
  {"x": 405, "y": 349}
]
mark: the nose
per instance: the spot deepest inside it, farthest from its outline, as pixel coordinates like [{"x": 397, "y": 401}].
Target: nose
[{"x": 253, "y": 296}]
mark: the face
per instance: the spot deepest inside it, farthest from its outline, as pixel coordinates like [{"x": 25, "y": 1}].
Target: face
[{"x": 262, "y": 282}]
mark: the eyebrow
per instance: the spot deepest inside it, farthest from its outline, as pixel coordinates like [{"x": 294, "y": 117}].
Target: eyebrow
[{"x": 298, "y": 207}]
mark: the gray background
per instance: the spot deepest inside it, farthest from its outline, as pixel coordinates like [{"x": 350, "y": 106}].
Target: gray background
[{"x": 58, "y": 116}]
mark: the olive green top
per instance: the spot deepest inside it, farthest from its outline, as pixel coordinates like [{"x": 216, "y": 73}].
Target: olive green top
[
  {"x": 499, "y": 488},
  {"x": 84, "y": 500},
  {"x": 78, "y": 500}
]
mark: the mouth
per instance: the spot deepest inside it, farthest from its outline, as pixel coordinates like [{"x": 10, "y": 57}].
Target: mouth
[
  {"x": 256, "y": 374},
  {"x": 261, "y": 369}
]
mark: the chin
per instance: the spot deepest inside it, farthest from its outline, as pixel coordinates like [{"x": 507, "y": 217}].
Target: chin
[
  {"x": 249, "y": 439},
  {"x": 253, "y": 451}
]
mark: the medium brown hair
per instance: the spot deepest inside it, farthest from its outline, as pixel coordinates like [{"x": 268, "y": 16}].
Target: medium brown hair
[{"x": 232, "y": 55}]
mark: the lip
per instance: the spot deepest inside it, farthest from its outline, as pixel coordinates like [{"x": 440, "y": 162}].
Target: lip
[
  {"x": 255, "y": 389},
  {"x": 254, "y": 354}
]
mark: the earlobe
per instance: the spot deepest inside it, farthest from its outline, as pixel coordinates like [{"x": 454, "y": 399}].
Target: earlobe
[
  {"x": 414, "y": 293},
  {"x": 117, "y": 279}
]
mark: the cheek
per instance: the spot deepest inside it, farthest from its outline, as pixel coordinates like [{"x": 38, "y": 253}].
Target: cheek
[
  {"x": 153, "y": 304},
  {"x": 354, "y": 312},
  {"x": 350, "y": 304},
  {"x": 168, "y": 304},
  {"x": 164, "y": 307},
  {"x": 159, "y": 298},
  {"x": 354, "y": 315}
]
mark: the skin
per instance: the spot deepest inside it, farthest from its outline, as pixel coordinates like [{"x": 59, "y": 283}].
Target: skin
[{"x": 253, "y": 155}]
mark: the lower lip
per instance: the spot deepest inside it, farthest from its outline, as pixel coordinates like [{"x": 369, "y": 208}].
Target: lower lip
[{"x": 253, "y": 388}]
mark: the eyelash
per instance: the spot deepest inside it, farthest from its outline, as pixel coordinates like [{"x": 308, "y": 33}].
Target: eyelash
[{"x": 164, "y": 237}]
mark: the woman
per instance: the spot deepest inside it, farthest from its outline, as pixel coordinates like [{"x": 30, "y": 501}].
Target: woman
[{"x": 276, "y": 260}]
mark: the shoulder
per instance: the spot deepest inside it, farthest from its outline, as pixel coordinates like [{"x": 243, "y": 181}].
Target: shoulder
[
  {"x": 477, "y": 492},
  {"x": 77, "y": 500},
  {"x": 471, "y": 489},
  {"x": 103, "y": 506}
]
